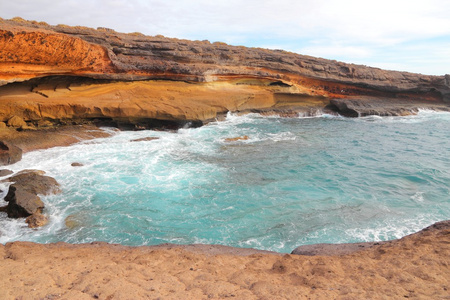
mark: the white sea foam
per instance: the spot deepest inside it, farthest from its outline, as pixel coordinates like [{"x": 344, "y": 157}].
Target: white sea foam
[
  {"x": 192, "y": 186},
  {"x": 391, "y": 229}
]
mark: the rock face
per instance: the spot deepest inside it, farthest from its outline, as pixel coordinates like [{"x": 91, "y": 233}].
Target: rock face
[
  {"x": 34, "y": 181},
  {"x": 53, "y": 73},
  {"x": 414, "y": 267},
  {"x": 22, "y": 203},
  {"x": 9, "y": 154},
  {"x": 23, "y": 200}
]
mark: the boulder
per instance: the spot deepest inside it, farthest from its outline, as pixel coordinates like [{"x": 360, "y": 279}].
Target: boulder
[
  {"x": 23, "y": 200},
  {"x": 2, "y": 125},
  {"x": 149, "y": 138},
  {"x": 36, "y": 220},
  {"x": 76, "y": 164},
  {"x": 16, "y": 121},
  {"x": 239, "y": 138},
  {"x": 9, "y": 154},
  {"x": 33, "y": 181},
  {"x": 45, "y": 123},
  {"x": 22, "y": 203},
  {"x": 5, "y": 172}
]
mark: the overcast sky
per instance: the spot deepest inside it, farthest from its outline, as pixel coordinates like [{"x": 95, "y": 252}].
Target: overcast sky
[{"x": 404, "y": 35}]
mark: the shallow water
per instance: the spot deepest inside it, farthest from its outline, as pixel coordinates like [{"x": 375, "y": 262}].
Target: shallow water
[{"x": 293, "y": 182}]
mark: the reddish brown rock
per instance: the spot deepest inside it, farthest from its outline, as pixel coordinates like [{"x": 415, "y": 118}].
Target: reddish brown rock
[
  {"x": 239, "y": 138},
  {"x": 23, "y": 200},
  {"x": 36, "y": 220},
  {"x": 5, "y": 172},
  {"x": 9, "y": 154},
  {"x": 149, "y": 138},
  {"x": 35, "y": 182},
  {"x": 22, "y": 203}
]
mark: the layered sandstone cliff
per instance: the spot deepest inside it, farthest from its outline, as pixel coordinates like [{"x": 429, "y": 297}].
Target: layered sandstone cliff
[{"x": 78, "y": 73}]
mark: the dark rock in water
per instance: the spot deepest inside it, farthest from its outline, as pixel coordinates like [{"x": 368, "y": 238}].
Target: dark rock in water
[
  {"x": 22, "y": 203},
  {"x": 366, "y": 106},
  {"x": 23, "y": 200},
  {"x": 9, "y": 154},
  {"x": 333, "y": 249},
  {"x": 149, "y": 138},
  {"x": 5, "y": 172},
  {"x": 36, "y": 220},
  {"x": 33, "y": 181},
  {"x": 76, "y": 164}
]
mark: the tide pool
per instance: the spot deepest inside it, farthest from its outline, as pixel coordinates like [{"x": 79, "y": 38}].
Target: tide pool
[{"x": 295, "y": 181}]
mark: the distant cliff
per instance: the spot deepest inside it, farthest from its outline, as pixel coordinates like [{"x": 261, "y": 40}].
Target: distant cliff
[{"x": 55, "y": 73}]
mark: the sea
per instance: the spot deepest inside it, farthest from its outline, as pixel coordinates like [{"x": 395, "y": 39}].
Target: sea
[{"x": 294, "y": 181}]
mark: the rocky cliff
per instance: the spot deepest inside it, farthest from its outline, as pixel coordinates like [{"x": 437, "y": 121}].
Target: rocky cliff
[{"x": 54, "y": 73}]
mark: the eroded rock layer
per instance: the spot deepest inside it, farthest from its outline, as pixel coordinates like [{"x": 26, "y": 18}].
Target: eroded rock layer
[
  {"x": 61, "y": 72},
  {"x": 415, "y": 267}
]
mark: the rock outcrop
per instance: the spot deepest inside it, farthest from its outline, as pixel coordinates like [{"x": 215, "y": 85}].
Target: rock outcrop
[
  {"x": 22, "y": 203},
  {"x": 416, "y": 266},
  {"x": 23, "y": 200},
  {"x": 56, "y": 73},
  {"x": 9, "y": 153}
]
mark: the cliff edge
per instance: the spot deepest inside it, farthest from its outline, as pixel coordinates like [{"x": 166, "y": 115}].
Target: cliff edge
[
  {"x": 415, "y": 266},
  {"x": 56, "y": 73}
]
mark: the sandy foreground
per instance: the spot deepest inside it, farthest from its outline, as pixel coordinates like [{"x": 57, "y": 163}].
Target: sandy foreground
[{"x": 416, "y": 266}]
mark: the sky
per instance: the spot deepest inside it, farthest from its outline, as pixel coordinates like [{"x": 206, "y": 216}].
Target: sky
[{"x": 403, "y": 35}]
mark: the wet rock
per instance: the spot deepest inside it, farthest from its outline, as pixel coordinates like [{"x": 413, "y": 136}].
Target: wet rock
[
  {"x": 5, "y": 172},
  {"x": 239, "y": 138},
  {"x": 22, "y": 203},
  {"x": 76, "y": 164},
  {"x": 33, "y": 181},
  {"x": 149, "y": 138},
  {"x": 9, "y": 154},
  {"x": 36, "y": 220},
  {"x": 367, "y": 106},
  {"x": 72, "y": 222},
  {"x": 23, "y": 200},
  {"x": 333, "y": 249}
]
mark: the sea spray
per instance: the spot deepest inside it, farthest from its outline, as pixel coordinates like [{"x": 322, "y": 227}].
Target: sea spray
[{"x": 294, "y": 181}]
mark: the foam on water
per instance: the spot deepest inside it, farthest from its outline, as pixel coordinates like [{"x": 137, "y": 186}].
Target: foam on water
[{"x": 294, "y": 181}]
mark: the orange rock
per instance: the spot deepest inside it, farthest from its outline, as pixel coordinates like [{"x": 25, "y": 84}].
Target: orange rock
[
  {"x": 36, "y": 220},
  {"x": 239, "y": 138}
]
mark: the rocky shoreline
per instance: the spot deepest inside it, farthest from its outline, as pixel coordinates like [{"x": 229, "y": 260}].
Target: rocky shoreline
[
  {"x": 416, "y": 266},
  {"x": 58, "y": 83}
]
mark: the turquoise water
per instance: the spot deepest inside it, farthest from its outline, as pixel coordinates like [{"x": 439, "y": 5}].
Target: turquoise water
[{"x": 295, "y": 181}]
